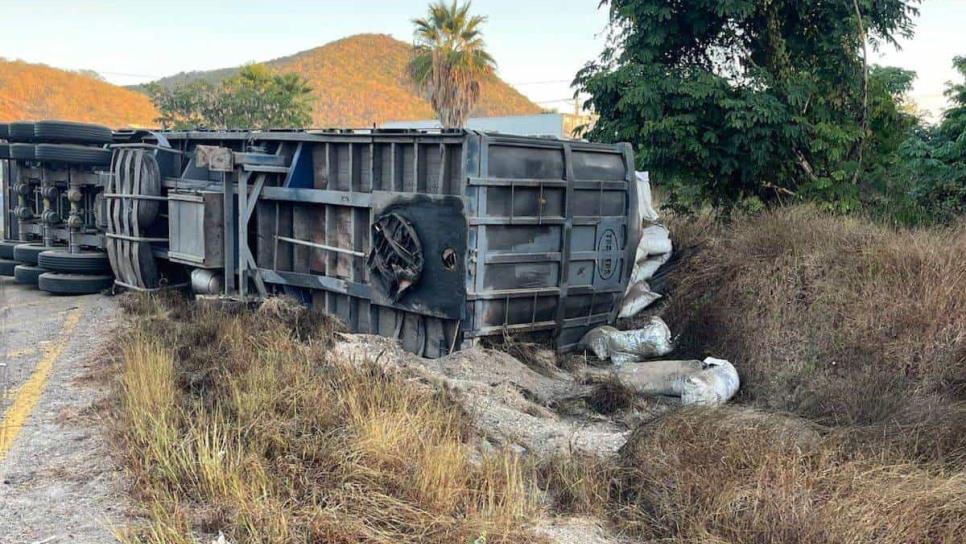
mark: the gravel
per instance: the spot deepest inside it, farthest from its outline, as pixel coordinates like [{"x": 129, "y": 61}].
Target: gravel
[{"x": 58, "y": 483}]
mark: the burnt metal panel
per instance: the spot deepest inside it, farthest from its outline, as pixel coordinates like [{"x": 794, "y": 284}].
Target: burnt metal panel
[{"x": 441, "y": 227}]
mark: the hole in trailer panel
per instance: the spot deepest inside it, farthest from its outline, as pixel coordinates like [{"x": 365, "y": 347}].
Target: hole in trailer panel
[{"x": 449, "y": 259}]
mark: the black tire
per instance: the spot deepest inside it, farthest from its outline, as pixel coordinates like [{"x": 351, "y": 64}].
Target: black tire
[
  {"x": 27, "y": 253},
  {"x": 87, "y": 262},
  {"x": 7, "y": 266},
  {"x": 4, "y": 151},
  {"x": 20, "y": 132},
  {"x": 23, "y": 152},
  {"x": 6, "y": 248},
  {"x": 69, "y": 132},
  {"x": 73, "y": 284},
  {"x": 73, "y": 154},
  {"x": 27, "y": 274},
  {"x": 4, "y": 131}
]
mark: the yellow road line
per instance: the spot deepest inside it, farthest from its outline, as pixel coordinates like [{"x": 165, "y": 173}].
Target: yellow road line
[{"x": 29, "y": 393}]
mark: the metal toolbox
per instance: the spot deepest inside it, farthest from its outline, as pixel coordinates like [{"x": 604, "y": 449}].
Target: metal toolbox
[{"x": 196, "y": 228}]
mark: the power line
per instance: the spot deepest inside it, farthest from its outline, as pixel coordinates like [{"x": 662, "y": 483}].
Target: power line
[
  {"x": 556, "y": 100},
  {"x": 520, "y": 84},
  {"x": 127, "y": 74}
]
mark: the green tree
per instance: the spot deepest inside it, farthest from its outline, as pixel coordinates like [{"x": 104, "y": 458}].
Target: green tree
[
  {"x": 934, "y": 158},
  {"x": 254, "y": 98},
  {"x": 450, "y": 60},
  {"x": 731, "y": 101}
]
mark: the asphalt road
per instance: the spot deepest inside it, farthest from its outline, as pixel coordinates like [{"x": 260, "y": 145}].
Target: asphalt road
[{"x": 57, "y": 480}]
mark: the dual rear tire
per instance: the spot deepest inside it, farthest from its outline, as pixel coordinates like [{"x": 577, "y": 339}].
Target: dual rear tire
[
  {"x": 85, "y": 262},
  {"x": 6, "y": 248},
  {"x": 27, "y": 274},
  {"x": 7, "y": 267},
  {"x": 67, "y": 143},
  {"x": 28, "y": 253},
  {"x": 74, "y": 284},
  {"x": 58, "y": 271}
]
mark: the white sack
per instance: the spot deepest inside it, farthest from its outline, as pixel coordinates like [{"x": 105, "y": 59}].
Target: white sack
[
  {"x": 658, "y": 377},
  {"x": 645, "y": 270},
  {"x": 637, "y": 297},
  {"x": 713, "y": 386},
  {"x": 653, "y": 340},
  {"x": 711, "y": 382},
  {"x": 653, "y": 250},
  {"x": 644, "y": 204},
  {"x": 655, "y": 240}
]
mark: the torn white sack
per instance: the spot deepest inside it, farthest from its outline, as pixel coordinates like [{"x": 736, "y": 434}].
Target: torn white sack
[
  {"x": 653, "y": 250},
  {"x": 652, "y": 340},
  {"x": 711, "y": 382},
  {"x": 638, "y": 296},
  {"x": 712, "y": 386}
]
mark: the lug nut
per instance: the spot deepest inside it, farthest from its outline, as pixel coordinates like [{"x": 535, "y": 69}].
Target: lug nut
[{"x": 51, "y": 217}]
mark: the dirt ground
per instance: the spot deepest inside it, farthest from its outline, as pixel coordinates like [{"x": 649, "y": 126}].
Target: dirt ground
[{"x": 57, "y": 480}]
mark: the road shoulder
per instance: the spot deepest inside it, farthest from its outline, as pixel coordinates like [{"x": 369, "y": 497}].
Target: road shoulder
[{"x": 58, "y": 483}]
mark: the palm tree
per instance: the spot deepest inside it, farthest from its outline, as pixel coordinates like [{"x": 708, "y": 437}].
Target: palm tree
[{"x": 449, "y": 60}]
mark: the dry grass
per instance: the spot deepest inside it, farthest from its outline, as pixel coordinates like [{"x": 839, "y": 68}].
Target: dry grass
[
  {"x": 537, "y": 353},
  {"x": 839, "y": 320},
  {"x": 579, "y": 484},
  {"x": 610, "y": 396},
  {"x": 852, "y": 338},
  {"x": 850, "y": 426},
  {"x": 233, "y": 423},
  {"x": 736, "y": 475}
]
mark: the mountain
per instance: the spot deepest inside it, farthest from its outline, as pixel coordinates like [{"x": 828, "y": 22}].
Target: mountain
[
  {"x": 361, "y": 80},
  {"x": 358, "y": 81},
  {"x": 36, "y": 91}
]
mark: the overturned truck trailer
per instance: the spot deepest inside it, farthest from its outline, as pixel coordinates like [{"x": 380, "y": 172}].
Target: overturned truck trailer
[{"x": 434, "y": 238}]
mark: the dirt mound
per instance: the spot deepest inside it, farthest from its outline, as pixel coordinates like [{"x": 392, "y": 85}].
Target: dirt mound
[{"x": 509, "y": 402}]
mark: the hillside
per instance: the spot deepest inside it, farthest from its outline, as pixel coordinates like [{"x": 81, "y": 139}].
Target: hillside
[
  {"x": 361, "y": 80},
  {"x": 35, "y": 91}
]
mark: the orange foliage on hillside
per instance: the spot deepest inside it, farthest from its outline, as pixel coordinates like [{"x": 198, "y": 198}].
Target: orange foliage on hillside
[
  {"x": 35, "y": 92},
  {"x": 361, "y": 80},
  {"x": 357, "y": 81}
]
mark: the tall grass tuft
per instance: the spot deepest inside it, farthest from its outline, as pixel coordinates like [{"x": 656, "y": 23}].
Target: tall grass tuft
[{"x": 245, "y": 423}]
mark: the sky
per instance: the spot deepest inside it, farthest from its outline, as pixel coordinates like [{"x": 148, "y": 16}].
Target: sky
[
  {"x": 538, "y": 44},
  {"x": 940, "y": 36}
]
